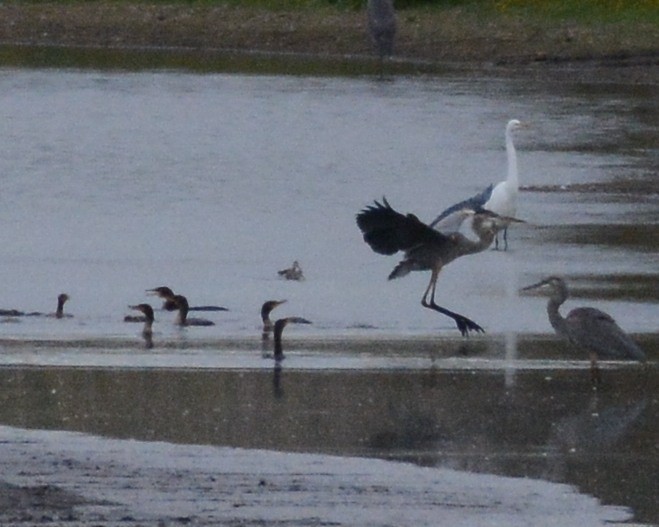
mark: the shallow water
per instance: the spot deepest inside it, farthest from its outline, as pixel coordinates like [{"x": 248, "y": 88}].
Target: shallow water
[{"x": 116, "y": 182}]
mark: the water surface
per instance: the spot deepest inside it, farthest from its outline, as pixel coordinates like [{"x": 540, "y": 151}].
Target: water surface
[{"x": 115, "y": 182}]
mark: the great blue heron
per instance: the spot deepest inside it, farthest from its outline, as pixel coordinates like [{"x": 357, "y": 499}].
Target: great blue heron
[
  {"x": 280, "y": 324},
  {"x": 266, "y": 309},
  {"x": 169, "y": 303},
  {"x": 148, "y": 318},
  {"x": 183, "y": 308},
  {"x": 382, "y": 25},
  {"x": 588, "y": 328},
  {"x": 500, "y": 198},
  {"x": 292, "y": 273},
  {"x": 426, "y": 249},
  {"x": 62, "y": 298}
]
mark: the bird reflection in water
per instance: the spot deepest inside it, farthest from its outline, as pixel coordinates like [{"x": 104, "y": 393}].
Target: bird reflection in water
[{"x": 278, "y": 354}]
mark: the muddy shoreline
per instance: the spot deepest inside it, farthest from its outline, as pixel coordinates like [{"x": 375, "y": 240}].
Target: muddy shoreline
[{"x": 453, "y": 37}]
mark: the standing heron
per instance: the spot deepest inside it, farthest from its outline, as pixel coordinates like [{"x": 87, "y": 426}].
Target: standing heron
[
  {"x": 426, "y": 249},
  {"x": 280, "y": 324},
  {"x": 500, "y": 198},
  {"x": 588, "y": 328},
  {"x": 382, "y": 25}
]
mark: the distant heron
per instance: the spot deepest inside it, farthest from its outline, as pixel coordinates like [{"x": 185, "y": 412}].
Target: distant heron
[
  {"x": 500, "y": 198},
  {"x": 292, "y": 273},
  {"x": 280, "y": 324},
  {"x": 588, "y": 328},
  {"x": 382, "y": 25},
  {"x": 147, "y": 331},
  {"x": 426, "y": 249},
  {"x": 268, "y": 325}
]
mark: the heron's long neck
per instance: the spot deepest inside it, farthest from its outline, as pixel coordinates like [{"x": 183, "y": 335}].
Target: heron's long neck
[
  {"x": 485, "y": 239},
  {"x": 555, "y": 318},
  {"x": 512, "y": 160},
  {"x": 148, "y": 326}
]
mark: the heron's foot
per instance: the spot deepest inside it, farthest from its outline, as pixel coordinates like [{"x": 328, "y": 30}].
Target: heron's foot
[{"x": 466, "y": 325}]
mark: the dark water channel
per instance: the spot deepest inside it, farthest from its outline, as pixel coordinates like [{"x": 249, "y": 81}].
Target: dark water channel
[{"x": 548, "y": 424}]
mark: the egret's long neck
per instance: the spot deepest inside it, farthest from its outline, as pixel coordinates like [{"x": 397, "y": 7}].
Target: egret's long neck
[{"x": 512, "y": 159}]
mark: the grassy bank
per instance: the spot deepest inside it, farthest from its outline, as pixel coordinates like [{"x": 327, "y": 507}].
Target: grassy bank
[{"x": 499, "y": 32}]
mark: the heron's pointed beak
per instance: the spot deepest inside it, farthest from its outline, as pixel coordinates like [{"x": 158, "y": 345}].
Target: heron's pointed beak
[
  {"x": 511, "y": 219},
  {"x": 534, "y": 286}
]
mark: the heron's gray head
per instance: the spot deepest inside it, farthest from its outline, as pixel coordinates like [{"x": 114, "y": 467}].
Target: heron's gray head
[
  {"x": 486, "y": 220},
  {"x": 554, "y": 283}
]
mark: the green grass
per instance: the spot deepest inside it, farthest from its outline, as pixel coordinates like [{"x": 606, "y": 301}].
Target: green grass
[{"x": 577, "y": 10}]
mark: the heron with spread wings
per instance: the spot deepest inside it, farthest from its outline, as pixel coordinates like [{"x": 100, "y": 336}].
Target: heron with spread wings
[{"x": 387, "y": 232}]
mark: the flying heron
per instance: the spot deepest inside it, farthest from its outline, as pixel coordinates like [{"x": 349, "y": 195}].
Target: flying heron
[
  {"x": 280, "y": 324},
  {"x": 382, "y": 25},
  {"x": 500, "y": 198},
  {"x": 588, "y": 328},
  {"x": 387, "y": 231}
]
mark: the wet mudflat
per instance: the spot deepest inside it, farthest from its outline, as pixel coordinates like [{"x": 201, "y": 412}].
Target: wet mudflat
[{"x": 536, "y": 418}]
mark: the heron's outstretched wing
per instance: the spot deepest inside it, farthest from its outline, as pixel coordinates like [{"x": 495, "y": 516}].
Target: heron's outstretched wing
[
  {"x": 387, "y": 231},
  {"x": 450, "y": 219},
  {"x": 598, "y": 332}
]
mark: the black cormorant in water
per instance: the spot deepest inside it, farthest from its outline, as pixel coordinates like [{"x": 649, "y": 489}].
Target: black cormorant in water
[
  {"x": 268, "y": 325},
  {"x": 59, "y": 312},
  {"x": 280, "y": 324},
  {"x": 169, "y": 303},
  {"x": 183, "y": 308},
  {"x": 148, "y": 318}
]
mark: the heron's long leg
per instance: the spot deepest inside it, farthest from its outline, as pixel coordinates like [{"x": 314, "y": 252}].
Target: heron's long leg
[
  {"x": 595, "y": 374},
  {"x": 464, "y": 324}
]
